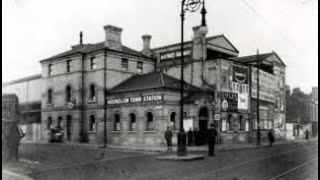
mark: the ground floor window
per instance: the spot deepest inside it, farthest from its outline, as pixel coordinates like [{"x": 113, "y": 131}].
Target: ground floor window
[
  {"x": 242, "y": 123},
  {"x": 173, "y": 121},
  {"x": 229, "y": 126},
  {"x": 116, "y": 126},
  {"x": 133, "y": 122},
  {"x": 149, "y": 121},
  {"x": 92, "y": 123},
  {"x": 59, "y": 122},
  {"x": 49, "y": 123}
]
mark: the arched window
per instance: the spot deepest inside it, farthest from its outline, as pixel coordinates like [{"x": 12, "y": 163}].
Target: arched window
[
  {"x": 92, "y": 123},
  {"x": 92, "y": 92},
  {"x": 49, "y": 123},
  {"x": 149, "y": 121},
  {"x": 68, "y": 94},
  {"x": 229, "y": 123},
  {"x": 173, "y": 120},
  {"x": 50, "y": 95},
  {"x": 116, "y": 126},
  {"x": 133, "y": 122},
  {"x": 59, "y": 122}
]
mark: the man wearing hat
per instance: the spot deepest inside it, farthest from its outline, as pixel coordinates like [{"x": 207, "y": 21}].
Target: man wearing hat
[{"x": 212, "y": 134}]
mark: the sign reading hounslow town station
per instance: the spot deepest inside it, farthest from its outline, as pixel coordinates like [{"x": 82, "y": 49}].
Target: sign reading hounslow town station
[{"x": 140, "y": 99}]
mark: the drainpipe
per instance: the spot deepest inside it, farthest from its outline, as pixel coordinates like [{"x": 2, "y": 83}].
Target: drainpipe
[
  {"x": 82, "y": 99},
  {"x": 105, "y": 100}
]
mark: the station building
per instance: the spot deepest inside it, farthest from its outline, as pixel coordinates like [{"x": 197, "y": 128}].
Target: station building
[{"x": 137, "y": 93}]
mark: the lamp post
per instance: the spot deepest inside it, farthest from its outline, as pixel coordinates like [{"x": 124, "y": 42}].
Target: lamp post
[
  {"x": 258, "y": 101},
  {"x": 191, "y": 6}
]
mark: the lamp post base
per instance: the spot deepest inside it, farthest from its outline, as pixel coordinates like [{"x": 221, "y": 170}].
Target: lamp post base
[{"x": 182, "y": 143}]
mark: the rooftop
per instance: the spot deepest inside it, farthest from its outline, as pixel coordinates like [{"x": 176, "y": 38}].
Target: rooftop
[{"x": 154, "y": 80}]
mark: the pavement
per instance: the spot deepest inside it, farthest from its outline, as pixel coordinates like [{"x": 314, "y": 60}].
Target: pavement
[{"x": 40, "y": 161}]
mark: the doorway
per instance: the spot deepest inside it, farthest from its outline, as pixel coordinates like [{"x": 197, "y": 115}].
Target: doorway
[
  {"x": 68, "y": 127},
  {"x": 203, "y": 126}
]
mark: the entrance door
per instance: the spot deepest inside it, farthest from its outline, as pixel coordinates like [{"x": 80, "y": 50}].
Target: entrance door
[
  {"x": 203, "y": 125},
  {"x": 68, "y": 127}
]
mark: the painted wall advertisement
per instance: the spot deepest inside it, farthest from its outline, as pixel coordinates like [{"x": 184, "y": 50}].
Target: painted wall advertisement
[
  {"x": 229, "y": 101},
  {"x": 240, "y": 85},
  {"x": 267, "y": 84}
]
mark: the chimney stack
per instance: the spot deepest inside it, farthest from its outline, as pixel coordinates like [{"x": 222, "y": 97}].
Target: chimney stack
[
  {"x": 113, "y": 37},
  {"x": 146, "y": 45},
  {"x": 199, "y": 50}
]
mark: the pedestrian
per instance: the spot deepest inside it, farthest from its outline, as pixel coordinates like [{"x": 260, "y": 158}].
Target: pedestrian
[
  {"x": 168, "y": 136},
  {"x": 270, "y": 137},
  {"x": 190, "y": 137},
  {"x": 307, "y": 134},
  {"x": 212, "y": 134}
]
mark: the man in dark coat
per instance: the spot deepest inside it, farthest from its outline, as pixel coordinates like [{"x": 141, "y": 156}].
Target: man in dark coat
[
  {"x": 270, "y": 137},
  {"x": 190, "y": 137},
  {"x": 307, "y": 134},
  {"x": 212, "y": 134},
  {"x": 168, "y": 136}
]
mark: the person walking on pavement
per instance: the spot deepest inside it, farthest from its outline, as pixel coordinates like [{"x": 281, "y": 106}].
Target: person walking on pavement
[
  {"x": 212, "y": 134},
  {"x": 168, "y": 136},
  {"x": 307, "y": 134},
  {"x": 270, "y": 137},
  {"x": 190, "y": 137}
]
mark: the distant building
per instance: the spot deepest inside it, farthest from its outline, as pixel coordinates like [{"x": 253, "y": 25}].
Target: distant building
[
  {"x": 28, "y": 92},
  {"x": 314, "y": 111}
]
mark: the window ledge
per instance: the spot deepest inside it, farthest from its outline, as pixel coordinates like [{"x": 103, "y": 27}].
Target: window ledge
[
  {"x": 92, "y": 101},
  {"x": 116, "y": 132},
  {"x": 50, "y": 104},
  {"x": 132, "y": 131},
  {"x": 151, "y": 131},
  {"x": 92, "y": 132}
]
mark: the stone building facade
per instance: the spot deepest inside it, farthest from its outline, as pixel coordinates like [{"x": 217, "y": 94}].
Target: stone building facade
[{"x": 109, "y": 93}]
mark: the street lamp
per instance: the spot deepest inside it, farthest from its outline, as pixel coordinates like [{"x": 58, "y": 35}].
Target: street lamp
[{"x": 191, "y": 6}]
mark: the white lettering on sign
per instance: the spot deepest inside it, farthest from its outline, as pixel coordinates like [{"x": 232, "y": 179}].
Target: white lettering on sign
[
  {"x": 172, "y": 55},
  {"x": 149, "y": 98}
]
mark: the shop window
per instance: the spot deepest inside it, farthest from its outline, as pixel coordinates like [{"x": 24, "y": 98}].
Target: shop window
[
  {"x": 50, "y": 94},
  {"x": 92, "y": 92},
  {"x": 139, "y": 66},
  {"x": 124, "y": 64},
  {"x": 149, "y": 121},
  {"x": 92, "y": 63},
  {"x": 92, "y": 123},
  {"x": 69, "y": 66},
  {"x": 49, "y": 123},
  {"x": 68, "y": 127},
  {"x": 133, "y": 125},
  {"x": 229, "y": 123},
  {"x": 173, "y": 120},
  {"x": 68, "y": 94},
  {"x": 116, "y": 126},
  {"x": 224, "y": 125}
]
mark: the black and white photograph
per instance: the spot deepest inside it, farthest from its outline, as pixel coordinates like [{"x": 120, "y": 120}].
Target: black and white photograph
[{"x": 159, "y": 89}]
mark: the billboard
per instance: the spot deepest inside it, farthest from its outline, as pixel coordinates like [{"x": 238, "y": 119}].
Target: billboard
[
  {"x": 267, "y": 84},
  {"x": 240, "y": 85}
]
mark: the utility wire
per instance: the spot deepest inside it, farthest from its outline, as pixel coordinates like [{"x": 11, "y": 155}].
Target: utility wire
[{"x": 265, "y": 21}]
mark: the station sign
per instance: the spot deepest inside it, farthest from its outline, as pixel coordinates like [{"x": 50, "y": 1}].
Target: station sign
[{"x": 139, "y": 99}]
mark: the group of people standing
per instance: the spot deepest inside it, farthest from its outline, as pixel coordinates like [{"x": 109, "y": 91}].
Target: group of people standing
[{"x": 195, "y": 138}]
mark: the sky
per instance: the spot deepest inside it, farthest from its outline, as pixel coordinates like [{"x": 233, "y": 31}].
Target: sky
[{"x": 33, "y": 30}]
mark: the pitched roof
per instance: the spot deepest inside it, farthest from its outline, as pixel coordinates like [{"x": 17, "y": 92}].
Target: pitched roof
[
  {"x": 87, "y": 48},
  {"x": 262, "y": 57},
  {"x": 210, "y": 40},
  {"x": 154, "y": 80}
]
